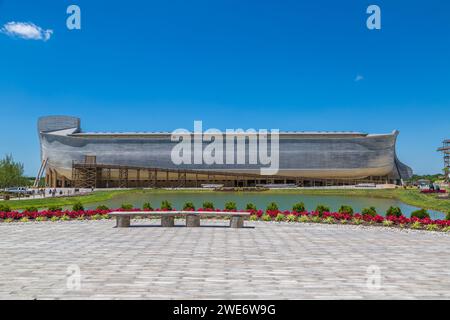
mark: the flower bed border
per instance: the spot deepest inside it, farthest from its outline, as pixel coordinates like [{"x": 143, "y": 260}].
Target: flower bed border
[{"x": 257, "y": 215}]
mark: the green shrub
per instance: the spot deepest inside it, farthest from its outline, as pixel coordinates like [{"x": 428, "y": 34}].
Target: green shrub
[
  {"x": 291, "y": 218},
  {"x": 8, "y": 220},
  {"x": 420, "y": 214},
  {"x": 346, "y": 209},
  {"x": 253, "y": 217},
  {"x": 54, "y": 218},
  {"x": 166, "y": 205},
  {"x": 316, "y": 219},
  {"x": 127, "y": 206},
  {"x": 250, "y": 207},
  {"x": 303, "y": 219},
  {"x": 280, "y": 217},
  {"x": 54, "y": 208},
  {"x": 357, "y": 221},
  {"x": 96, "y": 217},
  {"x": 446, "y": 218},
  {"x": 208, "y": 205},
  {"x": 328, "y": 220},
  {"x": 266, "y": 217},
  {"x": 394, "y": 211},
  {"x": 30, "y": 209},
  {"x": 102, "y": 208},
  {"x": 5, "y": 208},
  {"x": 299, "y": 207},
  {"x": 65, "y": 218},
  {"x": 24, "y": 219},
  {"x": 188, "y": 206},
  {"x": 272, "y": 207},
  {"x": 446, "y": 229},
  {"x": 322, "y": 208},
  {"x": 432, "y": 227},
  {"x": 416, "y": 225},
  {"x": 40, "y": 218},
  {"x": 387, "y": 223},
  {"x": 369, "y": 211},
  {"x": 230, "y": 206},
  {"x": 78, "y": 207},
  {"x": 147, "y": 206}
]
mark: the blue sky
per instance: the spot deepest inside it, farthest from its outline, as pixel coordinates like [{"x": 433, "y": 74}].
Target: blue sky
[{"x": 292, "y": 65}]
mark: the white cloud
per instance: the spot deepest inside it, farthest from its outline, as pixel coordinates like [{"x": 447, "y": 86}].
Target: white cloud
[
  {"x": 26, "y": 30},
  {"x": 359, "y": 78}
]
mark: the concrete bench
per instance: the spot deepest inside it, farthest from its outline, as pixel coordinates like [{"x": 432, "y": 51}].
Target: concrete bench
[{"x": 123, "y": 218}]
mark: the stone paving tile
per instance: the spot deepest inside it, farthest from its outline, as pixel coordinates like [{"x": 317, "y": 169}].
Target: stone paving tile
[{"x": 263, "y": 261}]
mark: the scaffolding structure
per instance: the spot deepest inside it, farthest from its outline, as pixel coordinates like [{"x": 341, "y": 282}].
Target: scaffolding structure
[
  {"x": 90, "y": 174},
  {"x": 445, "y": 149}
]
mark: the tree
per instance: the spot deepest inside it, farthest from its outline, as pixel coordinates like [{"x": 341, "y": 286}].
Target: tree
[{"x": 11, "y": 173}]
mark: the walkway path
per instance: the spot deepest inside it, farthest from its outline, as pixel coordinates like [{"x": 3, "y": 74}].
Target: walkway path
[{"x": 270, "y": 261}]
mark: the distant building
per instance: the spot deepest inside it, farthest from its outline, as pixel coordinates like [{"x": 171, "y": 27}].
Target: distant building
[{"x": 73, "y": 158}]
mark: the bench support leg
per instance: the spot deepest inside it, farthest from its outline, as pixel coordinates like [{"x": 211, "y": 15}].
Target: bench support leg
[
  {"x": 123, "y": 222},
  {"x": 167, "y": 221},
  {"x": 237, "y": 222},
  {"x": 192, "y": 221}
]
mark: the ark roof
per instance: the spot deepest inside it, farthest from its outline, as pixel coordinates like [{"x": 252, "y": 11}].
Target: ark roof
[{"x": 166, "y": 133}]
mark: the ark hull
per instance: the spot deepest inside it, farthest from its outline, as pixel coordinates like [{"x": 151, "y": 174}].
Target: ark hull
[{"x": 324, "y": 156}]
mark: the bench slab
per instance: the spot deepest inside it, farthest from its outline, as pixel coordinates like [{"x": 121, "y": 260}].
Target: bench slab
[{"x": 123, "y": 218}]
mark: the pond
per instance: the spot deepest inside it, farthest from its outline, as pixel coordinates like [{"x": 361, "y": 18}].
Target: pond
[{"x": 261, "y": 200}]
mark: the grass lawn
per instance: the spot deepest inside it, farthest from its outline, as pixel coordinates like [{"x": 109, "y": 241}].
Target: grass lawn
[
  {"x": 64, "y": 201},
  {"x": 410, "y": 196}
]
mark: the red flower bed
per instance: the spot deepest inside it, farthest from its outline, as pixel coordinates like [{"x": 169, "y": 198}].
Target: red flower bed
[
  {"x": 338, "y": 217},
  {"x": 377, "y": 219},
  {"x": 14, "y": 215},
  {"x": 433, "y": 191}
]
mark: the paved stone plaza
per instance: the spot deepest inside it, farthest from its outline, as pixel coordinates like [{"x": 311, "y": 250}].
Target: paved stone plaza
[{"x": 263, "y": 261}]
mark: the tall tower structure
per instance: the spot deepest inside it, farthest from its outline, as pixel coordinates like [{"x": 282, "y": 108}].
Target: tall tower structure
[{"x": 446, "y": 152}]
